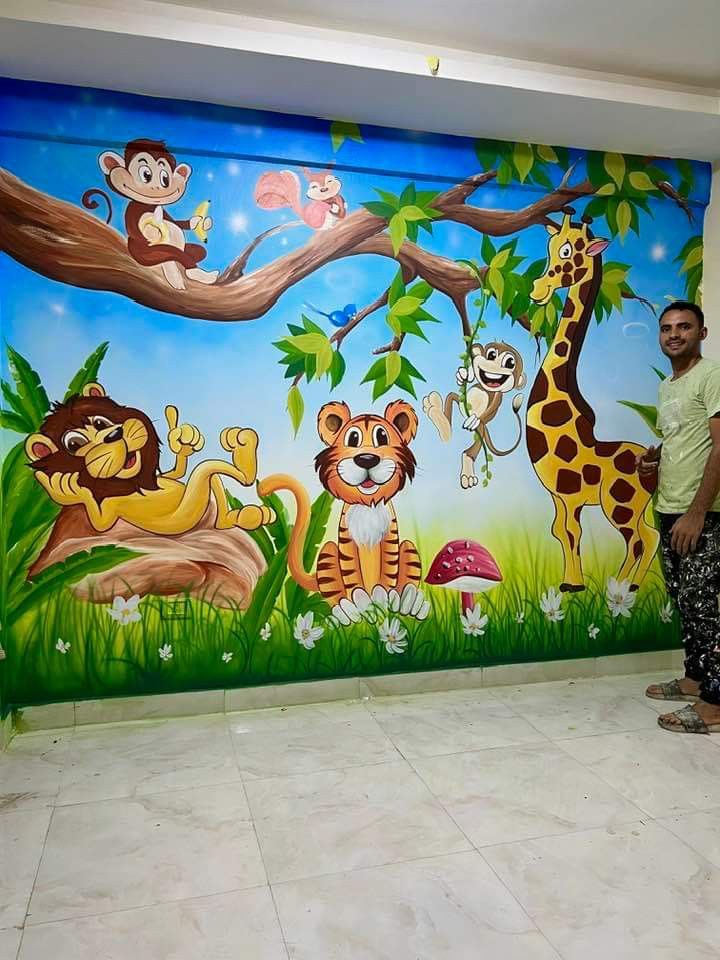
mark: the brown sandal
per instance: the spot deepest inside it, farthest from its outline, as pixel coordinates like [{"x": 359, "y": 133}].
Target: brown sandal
[
  {"x": 690, "y": 722},
  {"x": 671, "y": 691}
]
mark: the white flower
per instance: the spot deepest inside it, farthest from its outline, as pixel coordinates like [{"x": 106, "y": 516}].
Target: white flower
[
  {"x": 305, "y": 633},
  {"x": 620, "y": 599},
  {"x": 666, "y": 612},
  {"x": 165, "y": 652},
  {"x": 520, "y": 616},
  {"x": 227, "y": 657},
  {"x": 392, "y": 634},
  {"x": 593, "y": 631},
  {"x": 125, "y": 611},
  {"x": 266, "y": 632},
  {"x": 61, "y": 646},
  {"x": 474, "y": 621},
  {"x": 551, "y": 605}
]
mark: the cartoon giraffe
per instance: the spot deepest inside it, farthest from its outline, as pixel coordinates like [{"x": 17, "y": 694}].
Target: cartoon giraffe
[{"x": 575, "y": 468}]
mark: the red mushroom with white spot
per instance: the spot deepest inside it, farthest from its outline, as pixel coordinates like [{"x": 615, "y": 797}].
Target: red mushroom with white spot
[{"x": 465, "y": 566}]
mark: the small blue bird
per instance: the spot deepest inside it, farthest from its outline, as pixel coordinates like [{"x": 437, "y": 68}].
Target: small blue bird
[{"x": 338, "y": 318}]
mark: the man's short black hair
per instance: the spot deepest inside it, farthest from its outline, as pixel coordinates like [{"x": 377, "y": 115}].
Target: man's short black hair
[{"x": 685, "y": 305}]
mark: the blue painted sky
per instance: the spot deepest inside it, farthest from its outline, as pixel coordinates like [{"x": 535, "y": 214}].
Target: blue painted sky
[{"x": 220, "y": 374}]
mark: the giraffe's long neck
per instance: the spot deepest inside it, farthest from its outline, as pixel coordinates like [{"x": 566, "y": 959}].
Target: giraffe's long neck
[{"x": 559, "y": 369}]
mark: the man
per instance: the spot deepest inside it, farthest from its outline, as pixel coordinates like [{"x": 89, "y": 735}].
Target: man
[{"x": 688, "y": 505}]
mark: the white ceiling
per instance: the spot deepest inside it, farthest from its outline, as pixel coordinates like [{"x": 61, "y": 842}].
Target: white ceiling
[
  {"x": 665, "y": 40},
  {"x": 640, "y": 76}
]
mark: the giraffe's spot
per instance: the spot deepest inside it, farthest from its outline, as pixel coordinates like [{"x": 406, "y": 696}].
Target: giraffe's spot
[
  {"x": 622, "y": 515},
  {"x": 567, "y": 267},
  {"x": 622, "y": 491},
  {"x": 627, "y": 534},
  {"x": 585, "y": 291},
  {"x": 551, "y": 272},
  {"x": 537, "y": 445},
  {"x": 571, "y": 329},
  {"x": 571, "y": 539},
  {"x": 560, "y": 376},
  {"x": 579, "y": 244},
  {"x": 579, "y": 274},
  {"x": 578, "y": 259},
  {"x": 606, "y": 448},
  {"x": 566, "y": 448},
  {"x": 637, "y": 553},
  {"x": 625, "y": 462},
  {"x": 568, "y": 481},
  {"x": 577, "y": 512},
  {"x": 591, "y": 473},
  {"x": 566, "y": 280},
  {"x": 585, "y": 432},
  {"x": 539, "y": 389},
  {"x": 557, "y": 413},
  {"x": 562, "y": 349},
  {"x": 649, "y": 482}
]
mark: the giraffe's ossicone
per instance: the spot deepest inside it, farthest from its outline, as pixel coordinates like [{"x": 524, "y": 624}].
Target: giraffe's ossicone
[{"x": 576, "y": 468}]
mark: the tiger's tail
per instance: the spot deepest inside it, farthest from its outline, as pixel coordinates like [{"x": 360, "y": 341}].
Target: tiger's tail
[{"x": 296, "y": 545}]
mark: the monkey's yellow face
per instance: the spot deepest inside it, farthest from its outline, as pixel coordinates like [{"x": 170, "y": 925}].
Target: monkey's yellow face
[
  {"x": 498, "y": 368},
  {"x": 108, "y": 449},
  {"x": 325, "y": 190}
]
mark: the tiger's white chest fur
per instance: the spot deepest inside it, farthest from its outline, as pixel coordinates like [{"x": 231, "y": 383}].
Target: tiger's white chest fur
[{"x": 368, "y": 524}]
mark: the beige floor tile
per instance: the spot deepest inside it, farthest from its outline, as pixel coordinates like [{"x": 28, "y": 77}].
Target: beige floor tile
[
  {"x": 340, "y": 820},
  {"x": 231, "y": 926},
  {"x": 22, "y": 837},
  {"x": 447, "y": 908},
  {"x": 137, "y": 759},
  {"x": 9, "y": 943},
  {"x": 117, "y": 854},
  {"x": 631, "y": 894},
  {"x": 701, "y": 831},
  {"x": 497, "y": 796},
  {"x": 30, "y": 770},
  {"x": 663, "y": 773}
]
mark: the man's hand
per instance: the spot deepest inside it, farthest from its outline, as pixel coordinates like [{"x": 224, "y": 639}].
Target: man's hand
[
  {"x": 647, "y": 463},
  {"x": 686, "y": 532}
]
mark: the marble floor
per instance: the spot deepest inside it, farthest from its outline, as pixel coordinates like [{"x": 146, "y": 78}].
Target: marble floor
[{"x": 552, "y": 821}]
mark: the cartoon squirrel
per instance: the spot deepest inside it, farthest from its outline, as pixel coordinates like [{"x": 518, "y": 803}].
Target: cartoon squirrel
[{"x": 277, "y": 189}]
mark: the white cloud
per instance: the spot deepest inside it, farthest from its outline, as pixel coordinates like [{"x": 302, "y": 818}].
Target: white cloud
[
  {"x": 239, "y": 222},
  {"x": 658, "y": 252},
  {"x": 233, "y": 168}
]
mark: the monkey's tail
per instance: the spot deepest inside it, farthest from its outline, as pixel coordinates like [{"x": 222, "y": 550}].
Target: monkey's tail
[
  {"x": 90, "y": 204},
  {"x": 516, "y": 404},
  {"x": 296, "y": 546}
]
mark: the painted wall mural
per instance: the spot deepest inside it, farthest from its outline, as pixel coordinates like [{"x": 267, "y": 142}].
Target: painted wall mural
[{"x": 287, "y": 398}]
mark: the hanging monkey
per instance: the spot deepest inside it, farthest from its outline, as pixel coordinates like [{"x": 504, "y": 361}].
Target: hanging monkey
[{"x": 493, "y": 371}]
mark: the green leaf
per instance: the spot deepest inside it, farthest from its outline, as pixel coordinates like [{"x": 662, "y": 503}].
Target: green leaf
[
  {"x": 411, "y": 370},
  {"x": 324, "y": 359},
  {"x": 537, "y": 319},
  {"x": 660, "y": 374},
  {"x": 496, "y": 282},
  {"x": 535, "y": 270},
  {"x": 265, "y": 595},
  {"x": 15, "y": 422},
  {"x": 523, "y": 158},
  {"x": 606, "y": 190},
  {"x": 615, "y": 165},
  {"x": 500, "y": 259},
  {"x": 412, "y": 212},
  {"x": 337, "y": 369},
  {"x": 30, "y": 390},
  {"x": 546, "y": 153},
  {"x": 422, "y": 290},
  {"x": 646, "y": 411},
  {"x": 487, "y": 249},
  {"x": 538, "y": 175},
  {"x": 388, "y": 198},
  {"x": 14, "y": 403},
  {"x": 615, "y": 275},
  {"x": 505, "y": 174},
  {"x": 693, "y": 259},
  {"x": 412, "y": 231},
  {"x": 379, "y": 209},
  {"x": 405, "y": 306},
  {"x": 410, "y": 325},
  {"x": 379, "y": 388},
  {"x": 88, "y": 372},
  {"x": 311, "y": 326},
  {"x": 641, "y": 181},
  {"x": 397, "y": 288},
  {"x": 409, "y": 195},
  {"x": 395, "y": 324},
  {"x": 393, "y": 366},
  {"x": 398, "y": 232},
  {"x": 624, "y": 218},
  {"x": 375, "y": 371},
  {"x": 342, "y": 130},
  {"x": 295, "y": 407},
  {"x": 311, "y": 342},
  {"x": 69, "y": 571}
]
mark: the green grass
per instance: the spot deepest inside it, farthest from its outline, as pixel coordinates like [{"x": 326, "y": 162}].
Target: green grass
[{"x": 106, "y": 659}]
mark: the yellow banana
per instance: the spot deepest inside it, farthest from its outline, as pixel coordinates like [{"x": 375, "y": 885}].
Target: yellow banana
[{"x": 201, "y": 211}]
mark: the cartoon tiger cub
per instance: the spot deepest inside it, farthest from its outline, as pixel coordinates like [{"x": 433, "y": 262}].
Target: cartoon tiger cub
[{"x": 367, "y": 461}]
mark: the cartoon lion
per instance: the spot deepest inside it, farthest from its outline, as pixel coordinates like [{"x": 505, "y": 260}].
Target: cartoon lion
[
  {"x": 100, "y": 462},
  {"x": 367, "y": 461}
]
